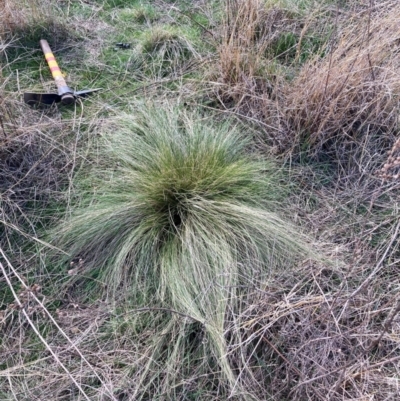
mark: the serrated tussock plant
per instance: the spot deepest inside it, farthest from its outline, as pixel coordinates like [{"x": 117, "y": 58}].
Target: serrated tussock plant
[
  {"x": 163, "y": 52},
  {"x": 185, "y": 220}
]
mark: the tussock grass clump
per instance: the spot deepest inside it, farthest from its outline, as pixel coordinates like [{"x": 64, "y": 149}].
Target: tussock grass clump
[
  {"x": 243, "y": 46},
  {"x": 145, "y": 13},
  {"x": 346, "y": 99},
  {"x": 165, "y": 51},
  {"x": 184, "y": 222},
  {"x": 176, "y": 177},
  {"x": 261, "y": 46},
  {"x": 258, "y": 38}
]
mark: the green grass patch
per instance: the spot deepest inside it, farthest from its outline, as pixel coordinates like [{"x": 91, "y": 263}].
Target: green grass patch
[
  {"x": 25, "y": 48},
  {"x": 140, "y": 15},
  {"x": 156, "y": 53}
]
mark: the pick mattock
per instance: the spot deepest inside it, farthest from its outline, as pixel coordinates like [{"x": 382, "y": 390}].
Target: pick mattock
[{"x": 65, "y": 94}]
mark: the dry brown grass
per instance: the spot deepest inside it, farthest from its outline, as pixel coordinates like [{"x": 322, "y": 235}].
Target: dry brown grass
[
  {"x": 239, "y": 53},
  {"x": 351, "y": 94},
  {"x": 16, "y": 15},
  {"x": 323, "y": 336},
  {"x": 262, "y": 45},
  {"x": 332, "y": 333},
  {"x": 9, "y": 17},
  {"x": 37, "y": 153},
  {"x": 245, "y": 72},
  {"x": 341, "y": 104}
]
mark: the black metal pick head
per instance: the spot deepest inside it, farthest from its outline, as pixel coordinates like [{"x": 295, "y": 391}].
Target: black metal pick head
[
  {"x": 41, "y": 98},
  {"x": 85, "y": 93},
  {"x": 50, "y": 98}
]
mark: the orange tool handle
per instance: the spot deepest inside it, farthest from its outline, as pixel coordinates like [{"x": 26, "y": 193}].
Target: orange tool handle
[{"x": 64, "y": 91}]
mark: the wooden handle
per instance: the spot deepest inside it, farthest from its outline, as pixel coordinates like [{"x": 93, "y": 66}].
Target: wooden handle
[
  {"x": 52, "y": 63},
  {"x": 64, "y": 91}
]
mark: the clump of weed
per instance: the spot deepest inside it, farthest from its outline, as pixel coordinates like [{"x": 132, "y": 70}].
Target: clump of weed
[
  {"x": 162, "y": 52},
  {"x": 184, "y": 222}
]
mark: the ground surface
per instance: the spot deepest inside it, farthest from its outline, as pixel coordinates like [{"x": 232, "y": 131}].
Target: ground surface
[{"x": 284, "y": 284}]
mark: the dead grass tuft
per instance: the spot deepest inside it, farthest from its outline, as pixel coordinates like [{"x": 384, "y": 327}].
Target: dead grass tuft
[
  {"x": 244, "y": 42},
  {"x": 262, "y": 45},
  {"x": 338, "y": 102},
  {"x": 18, "y": 14}
]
